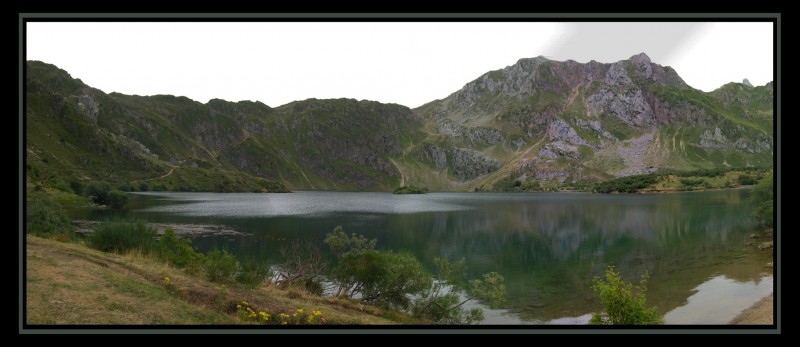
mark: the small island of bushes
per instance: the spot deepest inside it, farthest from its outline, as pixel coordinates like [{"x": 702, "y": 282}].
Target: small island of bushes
[{"x": 410, "y": 190}]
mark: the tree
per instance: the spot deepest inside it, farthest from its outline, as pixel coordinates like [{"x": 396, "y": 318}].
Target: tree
[
  {"x": 98, "y": 192},
  {"x": 43, "y": 216},
  {"x": 303, "y": 262},
  {"x": 442, "y": 302},
  {"x": 622, "y": 305},
  {"x": 763, "y": 201},
  {"x": 179, "y": 251},
  {"x": 220, "y": 265},
  {"x": 116, "y": 199},
  {"x": 379, "y": 277}
]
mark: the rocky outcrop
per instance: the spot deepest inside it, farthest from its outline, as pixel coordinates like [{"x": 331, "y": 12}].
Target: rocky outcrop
[
  {"x": 626, "y": 104},
  {"x": 713, "y": 140},
  {"x": 89, "y": 107},
  {"x": 474, "y": 137},
  {"x": 468, "y": 164},
  {"x": 434, "y": 155}
]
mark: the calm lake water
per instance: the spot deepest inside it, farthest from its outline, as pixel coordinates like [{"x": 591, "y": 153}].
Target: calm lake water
[{"x": 547, "y": 245}]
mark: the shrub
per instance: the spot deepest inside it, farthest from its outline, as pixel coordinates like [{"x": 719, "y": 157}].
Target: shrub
[
  {"x": 76, "y": 185},
  {"x": 117, "y": 200},
  {"x": 44, "y": 217},
  {"x": 442, "y": 303},
  {"x": 299, "y": 317},
  {"x": 122, "y": 236},
  {"x": 220, "y": 265},
  {"x": 622, "y": 305},
  {"x": 747, "y": 180},
  {"x": 252, "y": 273},
  {"x": 303, "y": 262},
  {"x": 98, "y": 192},
  {"x": 381, "y": 277},
  {"x": 179, "y": 251},
  {"x": 764, "y": 200}
]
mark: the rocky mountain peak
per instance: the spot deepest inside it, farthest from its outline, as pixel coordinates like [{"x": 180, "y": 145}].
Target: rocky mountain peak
[
  {"x": 747, "y": 83},
  {"x": 640, "y": 58}
]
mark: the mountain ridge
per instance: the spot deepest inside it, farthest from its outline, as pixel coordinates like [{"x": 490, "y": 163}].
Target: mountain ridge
[{"x": 538, "y": 121}]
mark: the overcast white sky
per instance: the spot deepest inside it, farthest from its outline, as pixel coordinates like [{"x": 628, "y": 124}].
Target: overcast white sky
[{"x": 404, "y": 63}]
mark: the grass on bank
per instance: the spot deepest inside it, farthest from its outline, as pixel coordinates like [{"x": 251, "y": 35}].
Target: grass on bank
[{"x": 69, "y": 283}]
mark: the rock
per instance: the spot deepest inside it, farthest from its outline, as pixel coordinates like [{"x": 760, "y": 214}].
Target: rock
[
  {"x": 89, "y": 107},
  {"x": 765, "y": 245},
  {"x": 747, "y": 83},
  {"x": 715, "y": 140},
  {"x": 769, "y": 265},
  {"x": 753, "y": 236},
  {"x": 475, "y": 137},
  {"x": 561, "y": 131},
  {"x": 433, "y": 154},
  {"x": 557, "y": 149},
  {"x": 468, "y": 164}
]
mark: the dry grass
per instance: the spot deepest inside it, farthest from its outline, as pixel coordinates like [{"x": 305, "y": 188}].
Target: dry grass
[{"x": 72, "y": 284}]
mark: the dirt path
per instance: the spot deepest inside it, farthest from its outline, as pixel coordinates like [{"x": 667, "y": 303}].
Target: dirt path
[
  {"x": 402, "y": 173},
  {"x": 164, "y": 175},
  {"x": 572, "y": 95},
  {"x": 760, "y": 313}
]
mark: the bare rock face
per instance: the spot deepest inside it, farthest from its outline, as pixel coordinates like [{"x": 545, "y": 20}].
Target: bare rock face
[
  {"x": 713, "y": 140},
  {"x": 560, "y": 131},
  {"x": 475, "y": 137},
  {"x": 557, "y": 149},
  {"x": 468, "y": 164},
  {"x": 433, "y": 154},
  {"x": 626, "y": 104},
  {"x": 89, "y": 107}
]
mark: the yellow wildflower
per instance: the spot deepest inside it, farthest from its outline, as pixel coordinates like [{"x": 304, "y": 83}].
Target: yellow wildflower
[{"x": 317, "y": 313}]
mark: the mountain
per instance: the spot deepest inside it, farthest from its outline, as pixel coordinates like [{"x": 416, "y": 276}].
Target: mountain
[
  {"x": 538, "y": 121},
  {"x": 546, "y": 122}
]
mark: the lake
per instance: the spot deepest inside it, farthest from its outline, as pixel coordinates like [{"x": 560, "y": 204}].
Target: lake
[{"x": 548, "y": 246}]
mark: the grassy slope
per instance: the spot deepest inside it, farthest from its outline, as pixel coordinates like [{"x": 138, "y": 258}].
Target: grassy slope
[
  {"x": 345, "y": 144},
  {"x": 72, "y": 284}
]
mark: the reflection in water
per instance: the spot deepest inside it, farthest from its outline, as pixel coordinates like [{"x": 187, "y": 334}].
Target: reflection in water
[
  {"x": 547, "y": 245},
  {"x": 719, "y": 300}
]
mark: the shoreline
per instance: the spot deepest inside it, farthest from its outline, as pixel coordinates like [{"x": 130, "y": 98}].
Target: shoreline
[{"x": 760, "y": 313}]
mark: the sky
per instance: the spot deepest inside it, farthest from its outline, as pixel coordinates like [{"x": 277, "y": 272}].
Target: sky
[{"x": 404, "y": 63}]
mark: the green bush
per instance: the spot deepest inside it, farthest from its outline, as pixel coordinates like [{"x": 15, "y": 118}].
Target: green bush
[
  {"x": 179, "y": 251},
  {"x": 253, "y": 273},
  {"x": 44, "y": 217},
  {"x": 623, "y": 302},
  {"x": 381, "y": 277},
  {"x": 747, "y": 180},
  {"x": 97, "y": 191},
  {"x": 763, "y": 199},
  {"x": 76, "y": 185},
  {"x": 220, "y": 265},
  {"x": 410, "y": 190},
  {"x": 122, "y": 236},
  {"x": 442, "y": 303},
  {"x": 117, "y": 200},
  {"x": 630, "y": 184}
]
